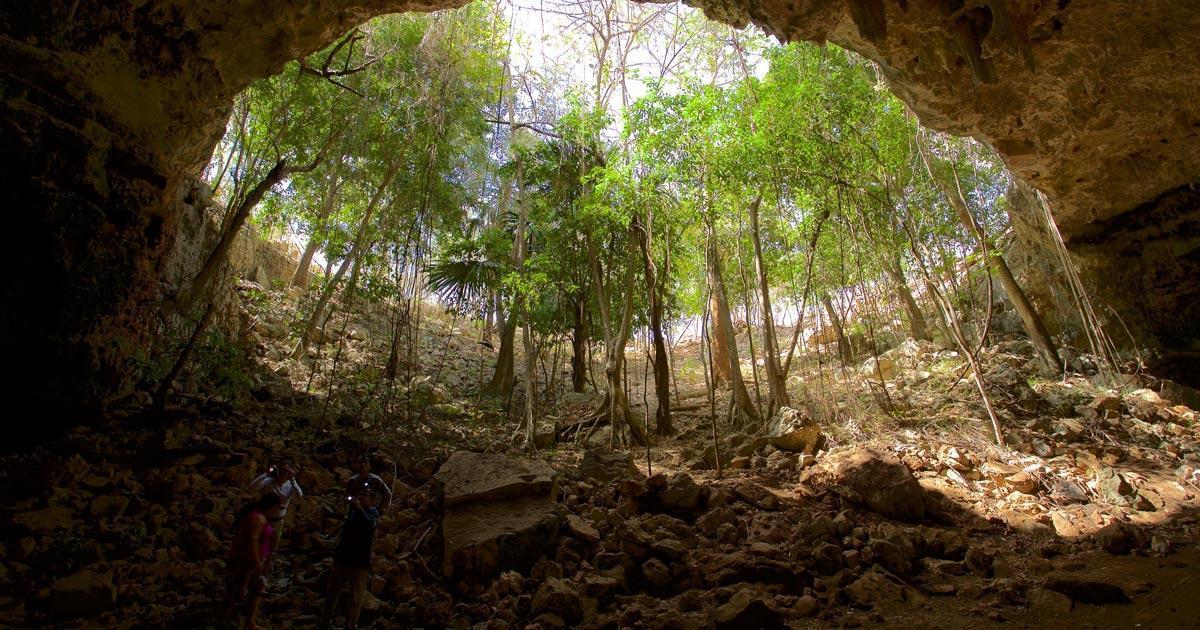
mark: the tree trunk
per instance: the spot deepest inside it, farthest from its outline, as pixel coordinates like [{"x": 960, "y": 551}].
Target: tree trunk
[
  {"x": 300, "y": 277},
  {"x": 360, "y": 236},
  {"x": 502, "y": 378},
  {"x": 916, "y": 319},
  {"x": 1028, "y": 314},
  {"x": 579, "y": 344},
  {"x": 742, "y": 410},
  {"x": 843, "y": 342},
  {"x": 200, "y": 284},
  {"x": 721, "y": 330},
  {"x": 1034, "y": 327},
  {"x": 662, "y": 373},
  {"x": 777, "y": 394}
]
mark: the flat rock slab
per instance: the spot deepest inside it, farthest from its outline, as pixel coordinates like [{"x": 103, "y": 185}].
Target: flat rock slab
[
  {"x": 467, "y": 477},
  {"x": 871, "y": 477},
  {"x": 499, "y": 514},
  {"x": 482, "y": 540}
]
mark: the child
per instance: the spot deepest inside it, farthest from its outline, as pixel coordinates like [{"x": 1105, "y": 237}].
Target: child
[
  {"x": 352, "y": 558},
  {"x": 281, "y": 481},
  {"x": 246, "y": 565}
]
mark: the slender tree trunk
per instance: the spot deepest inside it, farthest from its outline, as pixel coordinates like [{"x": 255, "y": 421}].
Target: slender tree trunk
[
  {"x": 300, "y": 277},
  {"x": 579, "y": 344},
  {"x": 662, "y": 373},
  {"x": 360, "y": 237},
  {"x": 164, "y": 388},
  {"x": 200, "y": 284},
  {"x": 777, "y": 394},
  {"x": 1034, "y": 326},
  {"x": 616, "y": 404},
  {"x": 916, "y": 319},
  {"x": 843, "y": 342},
  {"x": 721, "y": 330},
  {"x": 742, "y": 408},
  {"x": 502, "y": 377}
]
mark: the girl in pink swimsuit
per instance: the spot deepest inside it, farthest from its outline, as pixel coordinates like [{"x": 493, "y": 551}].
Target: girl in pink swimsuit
[{"x": 247, "y": 561}]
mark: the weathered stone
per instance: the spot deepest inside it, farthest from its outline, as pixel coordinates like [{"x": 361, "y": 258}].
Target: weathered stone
[
  {"x": 1087, "y": 591},
  {"x": 877, "y": 586},
  {"x": 756, "y": 495},
  {"x": 467, "y": 477},
  {"x": 715, "y": 518},
  {"x": 1113, "y": 487},
  {"x": 483, "y": 539},
  {"x": 747, "y": 609},
  {"x": 1049, "y": 602},
  {"x": 499, "y": 514},
  {"x": 604, "y": 465},
  {"x": 790, "y": 430},
  {"x": 1119, "y": 538},
  {"x": 682, "y": 493},
  {"x": 805, "y": 606},
  {"x": 873, "y": 478},
  {"x": 657, "y": 575},
  {"x": 881, "y": 368},
  {"x": 558, "y": 597},
  {"x": 200, "y": 541},
  {"x": 827, "y": 558},
  {"x": 109, "y": 505},
  {"x": 581, "y": 529},
  {"x": 45, "y": 520},
  {"x": 82, "y": 594}
]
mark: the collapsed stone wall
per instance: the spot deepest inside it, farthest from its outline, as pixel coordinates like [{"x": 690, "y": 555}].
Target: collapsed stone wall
[{"x": 108, "y": 109}]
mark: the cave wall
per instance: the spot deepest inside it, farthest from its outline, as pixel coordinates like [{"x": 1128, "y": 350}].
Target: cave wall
[{"x": 108, "y": 108}]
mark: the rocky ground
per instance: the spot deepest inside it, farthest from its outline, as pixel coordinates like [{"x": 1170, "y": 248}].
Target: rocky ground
[{"x": 833, "y": 515}]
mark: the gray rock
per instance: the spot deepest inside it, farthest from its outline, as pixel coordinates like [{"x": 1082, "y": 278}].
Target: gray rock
[
  {"x": 605, "y": 465},
  {"x": 82, "y": 594},
  {"x": 873, "y": 478},
  {"x": 792, "y": 431},
  {"x": 558, "y": 597},
  {"x": 747, "y": 609}
]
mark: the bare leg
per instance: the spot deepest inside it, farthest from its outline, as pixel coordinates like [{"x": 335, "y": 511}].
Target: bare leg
[
  {"x": 337, "y": 580},
  {"x": 252, "y": 616},
  {"x": 358, "y": 588}
]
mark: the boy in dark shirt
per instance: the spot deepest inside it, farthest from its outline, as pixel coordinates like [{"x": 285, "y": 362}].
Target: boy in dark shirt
[
  {"x": 361, "y": 466},
  {"x": 352, "y": 558}
]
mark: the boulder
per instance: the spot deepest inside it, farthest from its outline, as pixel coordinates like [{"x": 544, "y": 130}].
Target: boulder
[
  {"x": 581, "y": 529},
  {"x": 200, "y": 541},
  {"x": 558, "y": 597},
  {"x": 791, "y": 430},
  {"x": 468, "y": 477},
  {"x": 482, "y": 540},
  {"x": 1112, "y": 487},
  {"x": 1086, "y": 591},
  {"x": 656, "y": 573},
  {"x": 109, "y": 505},
  {"x": 877, "y": 586},
  {"x": 82, "y": 594},
  {"x": 747, "y": 609},
  {"x": 881, "y": 368},
  {"x": 871, "y": 477},
  {"x": 499, "y": 514},
  {"x": 605, "y": 465},
  {"x": 756, "y": 495},
  {"x": 45, "y": 520},
  {"x": 682, "y": 493}
]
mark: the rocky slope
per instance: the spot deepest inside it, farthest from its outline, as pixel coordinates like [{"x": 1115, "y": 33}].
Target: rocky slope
[{"x": 1088, "y": 513}]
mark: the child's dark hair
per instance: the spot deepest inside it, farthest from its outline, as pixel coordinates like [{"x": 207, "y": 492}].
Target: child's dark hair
[{"x": 265, "y": 502}]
